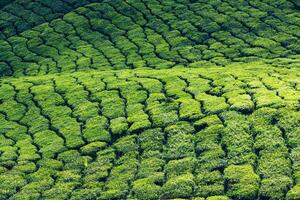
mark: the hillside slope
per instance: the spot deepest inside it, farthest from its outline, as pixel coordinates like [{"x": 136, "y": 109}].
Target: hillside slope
[
  {"x": 149, "y": 99},
  {"x": 147, "y": 134},
  {"x": 132, "y": 34}
]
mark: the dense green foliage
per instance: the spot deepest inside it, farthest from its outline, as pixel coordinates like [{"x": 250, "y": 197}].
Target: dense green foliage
[
  {"x": 144, "y": 134},
  {"x": 149, "y": 99},
  {"x": 44, "y": 37}
]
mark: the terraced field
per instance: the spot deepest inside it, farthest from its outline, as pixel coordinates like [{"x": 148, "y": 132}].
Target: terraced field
[
  {"x": 138, "y": 33},
  {"x": 150, "y": 99}
]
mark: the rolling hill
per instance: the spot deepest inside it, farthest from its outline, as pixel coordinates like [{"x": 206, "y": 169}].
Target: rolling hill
[{"x": 150, "y": 99}]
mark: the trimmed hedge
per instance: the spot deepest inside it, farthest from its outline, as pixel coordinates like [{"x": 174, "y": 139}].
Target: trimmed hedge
[{"x": 134, "y": 135}]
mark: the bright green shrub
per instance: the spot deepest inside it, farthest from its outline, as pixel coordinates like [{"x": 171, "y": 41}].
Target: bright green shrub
[
  {"x": 112, "y": 104},
  {"x": 273, "y": 163},
  {"x": 151, "y": 139},
  {"x": 98, "y": 170},
  {"x": 122, "y": 174},
  {"x": 209, "y": 136},
  {"x": 26, "y": 195},
  {"x": 8, "y": 153},
  {"x": 238, "y": 144},
  {"x": 112, "y": 194},
  {"x": 50, "y": 164},
  {"x": 162, "y": 115},
  {"x": 265, "y": 98},
  {"x": 209, "y": 183},
  {"x": 72, "y": 159},
  {"x": 50, "y": 144},
  {"x": 217, "y": 198},
  {"x": 207, "y": 121},
  {"x": 59, "y": 191},
  {"x": 243, "y": 183},
  {"x": 150, "y": 166},
  {"x": 27, "y": 151},
  {"x": 25, "y": 167},
  {"x": 14, "y": 110},
  {"x": 85, "y": 194},
  {"x": 212, "y": 104},
  {"x": 293, "y": 193},
  {"x": 179, "y": 167},
  {"x": 146, "y": 189},
  {"x": 241, "y": 103},
  {"x": 92, "y": 148},
  {"x": 275, "y": 187},
  {"x": 179, "y": 187},
  {"x": 96, "y": 129},
  {"x": 9, "y": 184},
  {"x": 269, "y": 138},
  {"x": 118, "y": 126},
  {"x": 179, "y": 146},
  {"x": 189, "y": 109},
  {"x": 216, "y": 157},
  {"x": 139, "y": 125},
  {"x": 182, "y": 127},
  {"x": 126, "y": 144},
  {"x": 294, "y": 155}
]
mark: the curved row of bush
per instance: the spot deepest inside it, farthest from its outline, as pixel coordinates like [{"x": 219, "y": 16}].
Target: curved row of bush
[
  {"x": 18, "y": 16},
  {"x": 148, "y": 134},
  {"x": 118, "y": 34}
]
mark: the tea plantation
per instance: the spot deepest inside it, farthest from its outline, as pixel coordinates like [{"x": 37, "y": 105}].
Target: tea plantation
[{"x": 150, "y": 99}]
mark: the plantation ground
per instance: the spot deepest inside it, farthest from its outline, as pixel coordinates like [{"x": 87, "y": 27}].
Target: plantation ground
[
  {"x": 149, "y": 99},
  {"x": 148, "y": 134},
  {"x": 44, "y": 37}
]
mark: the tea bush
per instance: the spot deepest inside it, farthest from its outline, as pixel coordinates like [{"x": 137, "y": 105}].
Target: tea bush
[{"x": 149, "y": 99}]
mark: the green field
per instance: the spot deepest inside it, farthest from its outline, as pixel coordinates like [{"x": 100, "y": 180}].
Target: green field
[{"x": 150, "y": 99}]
